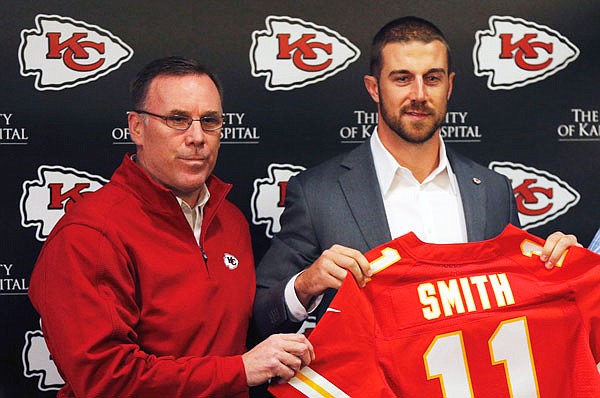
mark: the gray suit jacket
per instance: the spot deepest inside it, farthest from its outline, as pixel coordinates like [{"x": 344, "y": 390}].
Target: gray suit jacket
[{"x": 340, "y": 202}]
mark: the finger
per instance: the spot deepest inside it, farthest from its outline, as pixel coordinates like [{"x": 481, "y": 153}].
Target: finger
[
  {"x": 298, "y": 338},
  {"x": 549, "y": 245},
  {"x": 317, "y": 278},
  {"x": 302, "y": 351},
  {"x": 354, "y": 268},
  {"x": 341, "y": 260},
  {"x": 290, "y": 361},
  {"x": 311, "y": 351},
  {"x": 555, "y": 248},
  {"x": 300, "y": 346},
  {"x": 358, "y": 257},
  {"x": 283, "y": 374},
  {"x": 326, "y": 271}
]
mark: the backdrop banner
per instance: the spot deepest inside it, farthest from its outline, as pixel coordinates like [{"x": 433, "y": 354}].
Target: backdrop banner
[{"x": 525, "y": 103}]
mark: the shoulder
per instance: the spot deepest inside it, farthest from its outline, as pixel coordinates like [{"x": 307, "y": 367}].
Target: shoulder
[
  {"x": 463, "y": 167},
  {"x": 107, "y": 199},
  {"x": 94, "y": 209},
  {"x": 232, "y": 213},
  {"x": 332, "y": 168}
]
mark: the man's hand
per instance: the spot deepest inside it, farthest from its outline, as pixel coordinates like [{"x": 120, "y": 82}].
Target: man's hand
[
  {"x": 329, "y": 271},
  {"x": 556, "y": 244},
  {"x": 280, "y": 355}
]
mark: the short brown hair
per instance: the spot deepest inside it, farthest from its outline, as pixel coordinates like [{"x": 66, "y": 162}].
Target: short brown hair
[
  {"x": 404, "y": 30},
  {"x": 174, "y": 66}
]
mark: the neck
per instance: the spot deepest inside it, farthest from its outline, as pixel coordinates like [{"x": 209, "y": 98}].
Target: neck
[
  {"x": 191, "y": 199},
  {"x": 421, "y": 159}
]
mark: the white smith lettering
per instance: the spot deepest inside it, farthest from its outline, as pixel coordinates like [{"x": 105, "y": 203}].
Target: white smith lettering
[{"x": 456, "y": 296}]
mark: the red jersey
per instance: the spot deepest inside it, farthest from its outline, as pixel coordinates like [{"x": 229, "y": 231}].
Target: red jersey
[{"x": 482, "y": 319}]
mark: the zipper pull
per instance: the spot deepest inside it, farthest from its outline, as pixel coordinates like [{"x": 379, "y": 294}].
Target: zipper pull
[{"x": 204, "y": 256}]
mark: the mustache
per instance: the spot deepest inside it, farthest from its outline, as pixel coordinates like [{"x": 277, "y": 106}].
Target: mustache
[{"x": 418, "y": 107}]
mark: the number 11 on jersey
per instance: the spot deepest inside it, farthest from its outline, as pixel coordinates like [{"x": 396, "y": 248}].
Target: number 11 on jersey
[{"x": 509, "y": 345}]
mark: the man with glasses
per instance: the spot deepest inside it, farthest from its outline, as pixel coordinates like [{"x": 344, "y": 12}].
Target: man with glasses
[
  {"x": 145, "y": 287},
  {"x": 404, "y": 179}
]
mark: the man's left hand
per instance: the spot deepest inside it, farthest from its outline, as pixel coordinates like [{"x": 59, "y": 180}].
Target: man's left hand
[{"x": 556, "y": 244}]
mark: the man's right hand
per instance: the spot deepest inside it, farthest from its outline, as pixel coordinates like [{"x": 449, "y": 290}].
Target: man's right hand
[
  {"x": 279, "y": 356},
  {"x": 329, "y": 271}
]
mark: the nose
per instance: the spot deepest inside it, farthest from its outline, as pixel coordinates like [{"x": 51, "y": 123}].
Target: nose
[
  {"x": 417, "y": 92},
  {"x": 195, "y": 135}
]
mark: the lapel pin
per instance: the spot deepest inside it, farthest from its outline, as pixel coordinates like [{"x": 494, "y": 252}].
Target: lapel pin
[{"x": 476, "y": 180}]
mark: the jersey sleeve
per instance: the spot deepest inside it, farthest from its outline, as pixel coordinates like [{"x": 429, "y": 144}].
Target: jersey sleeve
[{"x": 345, "y": 362}]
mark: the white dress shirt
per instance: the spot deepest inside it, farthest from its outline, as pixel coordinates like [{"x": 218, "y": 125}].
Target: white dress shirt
[
  {"x": 194, "y": 215},
  {"x": 431, "y": 209}
]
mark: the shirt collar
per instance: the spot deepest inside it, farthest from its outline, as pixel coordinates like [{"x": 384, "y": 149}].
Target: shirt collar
[
  {"x": 200, "y": 203},
  {"x": 386, "y": 166},
  {"x": 202, "y": 198}
]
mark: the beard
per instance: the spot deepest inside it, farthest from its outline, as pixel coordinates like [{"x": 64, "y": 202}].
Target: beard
[{"x": 413, "y": 132}]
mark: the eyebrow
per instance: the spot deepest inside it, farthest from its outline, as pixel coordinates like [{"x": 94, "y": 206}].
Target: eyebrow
[
  {"x": 181, "y": 112},
  {"x": 437, "y": 70},
  {"x": 178, "y": 112},
  {"x": 212, "y": 113},
  {"x": 406, "y": 71}
]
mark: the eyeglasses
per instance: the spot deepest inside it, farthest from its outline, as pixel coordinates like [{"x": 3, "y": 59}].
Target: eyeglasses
[{"x": 210, "y": 124}]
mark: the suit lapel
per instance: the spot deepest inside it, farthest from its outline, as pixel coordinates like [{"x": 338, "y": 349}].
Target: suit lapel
[
  {"x": 361, "y": 189},
  {"x": 473, "y": 195}
]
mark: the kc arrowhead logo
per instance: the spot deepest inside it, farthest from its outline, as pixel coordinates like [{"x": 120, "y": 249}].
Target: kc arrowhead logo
[
  {"x": 37, "y": 362},
  {"x": 515, "y": 53},
  {"x": 45, "y": 201},
  {"x": 268, "y": 197},
  {"x": 293, "y": 53},
  {"x": 541, "y": 196},
  {"x": 63, "y": 53}
]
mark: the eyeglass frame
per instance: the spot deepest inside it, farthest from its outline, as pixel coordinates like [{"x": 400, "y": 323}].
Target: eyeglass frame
[{"x": 190, "y": 119}]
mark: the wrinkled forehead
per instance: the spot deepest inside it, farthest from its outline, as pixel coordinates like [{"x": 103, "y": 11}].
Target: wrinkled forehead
[
  {"x": 414, "y": 55},
  {"x": 186, "y": 92}
]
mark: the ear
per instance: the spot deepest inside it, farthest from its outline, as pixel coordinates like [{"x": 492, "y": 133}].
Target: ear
[
  {"x": 450, "y": 84},
  {"x": 136, "y": 128},
  {"x": 372, "y": 87}
]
